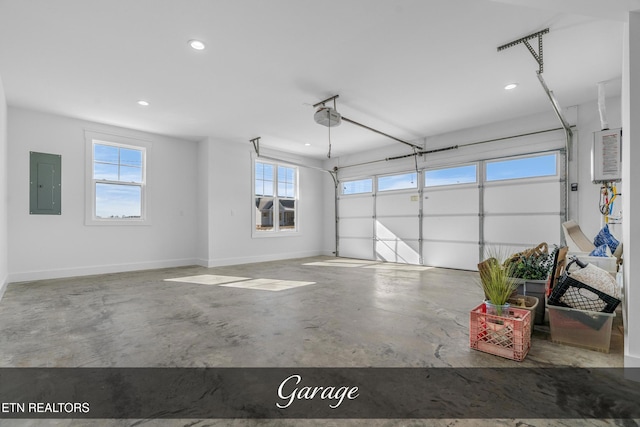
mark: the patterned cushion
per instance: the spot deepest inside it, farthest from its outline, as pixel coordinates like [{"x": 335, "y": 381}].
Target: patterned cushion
[
  {"x": 597, "y": 278},
  {"x": 600, "y": 251},
  {"x": 604, "y": 237}
]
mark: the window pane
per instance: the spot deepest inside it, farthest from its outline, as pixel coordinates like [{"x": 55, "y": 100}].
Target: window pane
[
  {"x": 397, "y": 182},
  {"x": 268, "y": 188},
  {"x": 268, "y": 172},
  {"x": 259, "y": 186},
  {"x": 527, "y": 167},
  {"x": 286, "y": 187},
  {"x": 105, "y": 171},
  {"x": 105, "y": 153},
  {"x": 450, "y": 176},
  {"x": 130, "y": 157},
  {"x": 357, "y": 187},
  {"x": 118, "y": 201},
  {"x": 130, "y": 174},
  {"x": 287, "y": 214},
  {"x": 264, "y": 213},
  {"x": 264, "y": 179},
  {"x": 282, "y": 174}
]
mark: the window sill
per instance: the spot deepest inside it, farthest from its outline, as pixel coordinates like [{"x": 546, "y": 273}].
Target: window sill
[
  {"x": 117, "y": 222},
  {"x": 267, "y": 234}
]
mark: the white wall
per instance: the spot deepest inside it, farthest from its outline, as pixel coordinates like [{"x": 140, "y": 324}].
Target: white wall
[
  {"x": 231, "y": 212},
  {"x": 204, "y": 243},
  {"x": 46, "y": 246},
  {"x": 4, "y": 245}
]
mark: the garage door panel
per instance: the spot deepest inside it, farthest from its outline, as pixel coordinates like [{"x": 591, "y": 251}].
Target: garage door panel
[
  {"x": 397, "y": 204},
  {"x": 355, "y": 227},
  {"x": 356, "y": 206},
  {"x": 391, "y": 228},
  {"x": 454, "y": 228},
  {"x": 398, "y": 250},
  {"x": 522, "y": 229},
  {"x": 454, "y": 200},
  {"x": 451, "y": 255},
  {"x": 525, "y": 198},
  {"x": 356, "y": 248}
]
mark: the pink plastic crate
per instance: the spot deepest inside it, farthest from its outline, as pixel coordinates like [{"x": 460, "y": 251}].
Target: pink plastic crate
[{"x": 505, "y": 336}]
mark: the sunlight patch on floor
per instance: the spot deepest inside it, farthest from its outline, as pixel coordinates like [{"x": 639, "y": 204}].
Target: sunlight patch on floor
[
  {"x": 268, "y": 284},
  {"x": 335, "y": 264},
  {"x": 357, "y": 263},
  {"x": 208, "y": 279},
  {"x": 401, "y": 267}
]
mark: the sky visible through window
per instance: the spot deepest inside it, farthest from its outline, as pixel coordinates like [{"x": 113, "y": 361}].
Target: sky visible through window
[
  {"x": 264, "y": 179},
  {"x": 397, "y": 182},
  {"x": 358, "y": 186},
  {"x": 113, "y": 165},
  {"x": 450, "y": 176},
  {"x": 526, "y": 167}
]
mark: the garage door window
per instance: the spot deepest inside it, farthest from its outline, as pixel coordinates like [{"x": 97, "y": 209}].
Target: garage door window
[
  {"x": 523, "y": 167},
  {"x": 359, "y": 186},
  {"x": 450, "y": 176},
  {"x": 398, "y": 182}
]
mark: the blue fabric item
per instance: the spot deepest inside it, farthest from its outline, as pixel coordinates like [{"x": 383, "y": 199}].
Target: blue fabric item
[
  {"x": 604, "y": 237},
  {"x": 599, "y": 251}
]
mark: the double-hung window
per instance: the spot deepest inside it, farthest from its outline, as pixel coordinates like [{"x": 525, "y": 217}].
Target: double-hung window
[
  {"x": 275, "y": 198},
  {"x": 117, "y": 183}
]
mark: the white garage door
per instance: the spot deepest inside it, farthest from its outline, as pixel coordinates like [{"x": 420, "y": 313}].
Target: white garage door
[
  {"x": 451, "y": 226},
  {"x": 355, "y": 220},
  {"x": 523, "y": 201},
  {"x": 447, "y": 217},
  {"x": 398, "y": 226}
]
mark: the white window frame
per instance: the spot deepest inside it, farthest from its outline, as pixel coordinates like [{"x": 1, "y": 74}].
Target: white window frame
[
  {"x": 275, "y": 232},
  {"x": 92, "y": 138}
]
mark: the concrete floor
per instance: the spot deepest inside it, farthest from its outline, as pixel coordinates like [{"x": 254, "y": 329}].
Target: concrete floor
[{"x": 355, "y": 315}]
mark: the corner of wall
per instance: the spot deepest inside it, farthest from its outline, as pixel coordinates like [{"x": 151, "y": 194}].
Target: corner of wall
[{"x": 4, "y": 245}]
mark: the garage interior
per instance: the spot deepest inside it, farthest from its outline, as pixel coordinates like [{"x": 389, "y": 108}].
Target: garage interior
[{"x": 277, "y": 184}]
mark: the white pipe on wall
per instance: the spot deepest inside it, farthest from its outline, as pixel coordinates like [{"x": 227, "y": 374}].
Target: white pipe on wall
[{"x": 602, "y": 108}]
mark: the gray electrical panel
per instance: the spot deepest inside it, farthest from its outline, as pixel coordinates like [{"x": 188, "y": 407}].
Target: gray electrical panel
[{"x": 45, "y": 186}]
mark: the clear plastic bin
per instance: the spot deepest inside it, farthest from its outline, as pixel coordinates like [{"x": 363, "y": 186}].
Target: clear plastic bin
[{"x": 580, "y": 328}]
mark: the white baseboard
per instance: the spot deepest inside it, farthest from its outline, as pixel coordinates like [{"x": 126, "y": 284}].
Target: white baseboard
[
  {"x": 220, "y": 262},
  {"x": 27, "y": 276},
  {"x": 631, "y": 361}
]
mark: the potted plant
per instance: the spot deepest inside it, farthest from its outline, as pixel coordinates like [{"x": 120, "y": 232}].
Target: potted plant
[
  {"x": 498, "y": 283},
  {"x": 531, "y": 269}
]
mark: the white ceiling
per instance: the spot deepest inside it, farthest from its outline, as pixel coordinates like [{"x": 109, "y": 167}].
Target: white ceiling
[{"x": 410, "y": 68}]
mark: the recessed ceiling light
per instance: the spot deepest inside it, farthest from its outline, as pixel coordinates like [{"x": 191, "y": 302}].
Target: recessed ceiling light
[
  {"x": 511, "y": 86},
  {"x": 143, "y": 103},
  {"x": 307, "y": 145},
  {"x": 196, "y": 44}
]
